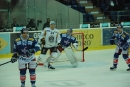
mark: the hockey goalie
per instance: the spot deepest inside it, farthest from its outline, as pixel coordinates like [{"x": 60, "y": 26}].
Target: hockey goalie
[{"x": 66, "y": 41}]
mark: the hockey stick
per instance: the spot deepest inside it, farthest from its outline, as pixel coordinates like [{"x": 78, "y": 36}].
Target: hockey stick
[
  {"x": 82, "y": 49},
  {"x": 5, "y": 63},
  {"x": 85, "y": 48}
]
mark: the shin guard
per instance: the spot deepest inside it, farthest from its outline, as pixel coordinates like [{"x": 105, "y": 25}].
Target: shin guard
[{"x": 32, "y": 75}]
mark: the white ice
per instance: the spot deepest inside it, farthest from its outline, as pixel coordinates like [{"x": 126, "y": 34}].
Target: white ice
[{"x": 94, "y": 72}]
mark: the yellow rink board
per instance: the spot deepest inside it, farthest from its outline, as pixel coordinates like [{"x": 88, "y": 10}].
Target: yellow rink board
[{"x": 92, "y": 39}]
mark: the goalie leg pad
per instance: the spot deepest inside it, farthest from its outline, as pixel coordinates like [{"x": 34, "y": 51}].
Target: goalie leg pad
[{"x": 70, "y": 54}]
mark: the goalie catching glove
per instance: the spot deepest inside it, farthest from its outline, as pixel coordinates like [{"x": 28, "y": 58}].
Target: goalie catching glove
[
  {"x": 14, "y": 58},
  {"x": 75, "y": 45}
]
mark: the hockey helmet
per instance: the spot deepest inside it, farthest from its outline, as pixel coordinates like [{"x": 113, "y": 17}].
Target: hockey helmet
[
  {"x": 69, "y": 31},
  {"x": 52, "y": 22},
  {"x": 24, "y": 30},
  {"x": 119, "y": 26}
]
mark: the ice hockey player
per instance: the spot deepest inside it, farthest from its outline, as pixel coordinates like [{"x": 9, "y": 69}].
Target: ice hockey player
[
  {"x": 123, "y": 43},
  {"x": 50, "y": 37},
  {"x": 24, "y": 50},
  {"x": 67, "y": 40}
]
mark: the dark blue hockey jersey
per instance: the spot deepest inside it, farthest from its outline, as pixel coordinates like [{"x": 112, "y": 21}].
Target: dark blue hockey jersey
[
  {"x": 22, "y": 46},
  {"x": 67, "y": 40},
  {"x": 121, "y": 38}
]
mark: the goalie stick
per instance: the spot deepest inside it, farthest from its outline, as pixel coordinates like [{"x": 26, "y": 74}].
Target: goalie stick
[
  {"x": 5, "y": 63},
  {"x": 82, "y": 49}
]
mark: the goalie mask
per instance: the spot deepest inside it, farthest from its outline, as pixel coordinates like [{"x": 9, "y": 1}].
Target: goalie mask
[{"x": 69, "y": 32}]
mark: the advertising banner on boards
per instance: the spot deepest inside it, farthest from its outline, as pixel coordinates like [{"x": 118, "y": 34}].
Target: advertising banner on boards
[
  {"x": 4, "y": 43},
  {"x": 92, "y": 37},
  {"x": 108, "y": 32}
]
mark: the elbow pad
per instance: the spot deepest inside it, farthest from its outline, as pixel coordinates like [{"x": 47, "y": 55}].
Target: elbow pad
[{"x": 128, "y": 41}]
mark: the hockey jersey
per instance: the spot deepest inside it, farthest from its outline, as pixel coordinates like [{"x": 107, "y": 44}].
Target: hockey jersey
[
  {"x": 52, "y": 37},
  {"x": 67, "y": 40},
  {"x": 121, "y": 38},
  {"x": 21, "y": 47}
]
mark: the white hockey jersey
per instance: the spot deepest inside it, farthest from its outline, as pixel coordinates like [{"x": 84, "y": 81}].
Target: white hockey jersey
[{"x": 52, "y": 37}]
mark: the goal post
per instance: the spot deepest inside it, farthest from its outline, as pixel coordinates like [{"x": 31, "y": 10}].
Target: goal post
[{"x": 80, "y": 38}]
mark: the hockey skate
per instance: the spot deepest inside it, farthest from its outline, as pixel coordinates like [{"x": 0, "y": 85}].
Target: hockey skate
[
  {"x": 50, "y": 67},
  {"x": 128, "y": 69},
  {"x": 22, "y": 85},
  {"x": 33, "y": 85},
  {"x": 113, "y": 68}
]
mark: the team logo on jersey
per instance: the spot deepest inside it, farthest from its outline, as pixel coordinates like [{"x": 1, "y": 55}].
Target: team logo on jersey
[
  {"x": 66, "y": 42},
  {"x": 24, "y": 50},
  {"x": 51, "y": 39}
]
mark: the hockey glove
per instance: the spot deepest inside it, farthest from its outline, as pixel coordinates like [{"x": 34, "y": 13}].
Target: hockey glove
[
  {"x": 112, "y": 41},
  {"x": 30, "y": 52},
  {"x": 43, "y": 40},
  {"x": 14, "y": 58},
  {"x": 126, "y": 46}
]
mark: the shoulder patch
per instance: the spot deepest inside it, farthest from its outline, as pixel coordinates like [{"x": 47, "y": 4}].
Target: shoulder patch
[
  {"x": 18, "y": 39},
  {"x": 73, "y": 36},
  {"x": 123, "y": 35},
  {"x": 32, "y": 39}
]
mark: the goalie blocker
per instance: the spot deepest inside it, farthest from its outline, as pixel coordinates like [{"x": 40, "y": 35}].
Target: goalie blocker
[{"x": 71, "y": 56}]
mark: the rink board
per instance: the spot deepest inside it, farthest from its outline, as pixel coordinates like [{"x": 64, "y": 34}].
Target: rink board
[{"x": 95, "y": 39}]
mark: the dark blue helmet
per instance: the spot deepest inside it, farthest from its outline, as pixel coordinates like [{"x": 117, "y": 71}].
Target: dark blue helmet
[
  {"x": 69, "y": 31},
  {"x": 24, "y": 30}
]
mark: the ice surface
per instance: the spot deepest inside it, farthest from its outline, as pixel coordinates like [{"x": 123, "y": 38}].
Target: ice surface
[{"x": 94, "y": 72}]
